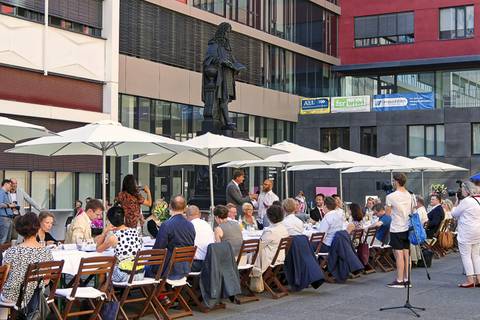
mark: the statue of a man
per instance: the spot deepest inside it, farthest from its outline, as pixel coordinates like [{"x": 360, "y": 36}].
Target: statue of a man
[{"x": 219, "y": 71}]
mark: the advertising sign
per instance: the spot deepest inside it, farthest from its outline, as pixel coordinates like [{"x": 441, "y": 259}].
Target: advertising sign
[
  {"x": 315, "y": 105},
  {"x": 403, "y": 101},
  {"x": 350, "y": 104}
]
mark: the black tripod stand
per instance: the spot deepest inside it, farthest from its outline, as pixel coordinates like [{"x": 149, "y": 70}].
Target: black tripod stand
[{"x": 407, "y": 304}]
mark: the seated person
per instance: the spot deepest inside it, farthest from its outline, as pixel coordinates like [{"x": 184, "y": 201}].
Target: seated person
[
  {"x": 175, "y": 232},
  {"x": 248, "y": 220},
  {"x": 383, "y": 223},
  {"x": 232, "y": 212},
  {"x": 269, "y": 242},
  {"x": 435, "y": 216},
  {"x": 47, "y": 220},
  {"x": 19, "y": 257},
  {"x": 304, "y": 217},
  {"x": 331, "y": 222},
  {"x": 318, "y": 212},
  {"x": 293, "y": 224},
  {"x": 357, "y": 215},
  {"x": 125, "y": 242},
  {"x": 80, "y": 229},
  {"x": 422, "y": 212},
  {"x": 203, "y": 236},
  {"x": 227, "y": 230}
]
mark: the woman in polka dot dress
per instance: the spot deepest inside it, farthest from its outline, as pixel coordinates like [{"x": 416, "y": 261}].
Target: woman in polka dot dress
[{"x": 125, "y": 241}]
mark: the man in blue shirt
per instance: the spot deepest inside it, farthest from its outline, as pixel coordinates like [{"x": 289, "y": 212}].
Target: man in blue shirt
[
  {"x": 6, "y": 212},
  {"x": 176, "y": 232},
  {"x": 384, "y": 221}
]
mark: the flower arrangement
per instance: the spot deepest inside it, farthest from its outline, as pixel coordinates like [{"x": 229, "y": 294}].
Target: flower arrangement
[
  {"x": 161, "y": 211},
  {"x": 97, "y": 224},
  {"x": 439, "y": 189}
]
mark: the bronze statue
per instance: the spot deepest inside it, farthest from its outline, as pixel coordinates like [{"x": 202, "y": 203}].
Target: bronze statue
[{"x": 218, "y": 84}]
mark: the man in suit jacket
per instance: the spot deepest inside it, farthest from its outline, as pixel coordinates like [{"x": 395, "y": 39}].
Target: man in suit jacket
[
  {"x": 80, "y": 228},
  {"x": 19, "y": 196},
  {"x": 319, "y": 211},
  {"x": 233, "y": 193},
  {"x": 435, "y": 216}
]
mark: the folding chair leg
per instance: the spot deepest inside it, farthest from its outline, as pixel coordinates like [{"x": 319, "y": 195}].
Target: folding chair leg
[
  {"x": 152, "y": 302},
  {"x": 96, "y": 312},
  {"x": 249, "y": 296},
  {"x": 56, "y": 312},
  {"x": 196, "y": 301},
  {"x": 68, "y": 307}
]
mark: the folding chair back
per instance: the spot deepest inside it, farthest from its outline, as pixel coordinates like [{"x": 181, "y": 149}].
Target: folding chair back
[
  {"x": 316, "y": 239},
  {"x": 181, "y": 254},
  {"x": 370, "y": 235},
  {"x": 152, "y": 258},
  {"x": 249, "y": 248},
  {"x": 284, "y": 245},
  {"x": 3, "y": 275},
  {"x": 357, "y": 237}
]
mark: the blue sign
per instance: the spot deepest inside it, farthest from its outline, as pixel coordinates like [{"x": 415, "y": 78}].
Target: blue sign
[
  {"x": 315, "y": 105},
  {"x": 403, "y": 101}
]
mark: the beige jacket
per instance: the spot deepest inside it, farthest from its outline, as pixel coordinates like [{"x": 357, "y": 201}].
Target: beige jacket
[
  {"x": 79, "y": 229},
  {"x": 269, "y": 242}
]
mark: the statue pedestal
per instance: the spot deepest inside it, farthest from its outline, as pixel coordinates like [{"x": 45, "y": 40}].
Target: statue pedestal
[{"x": 209, "y": 125}]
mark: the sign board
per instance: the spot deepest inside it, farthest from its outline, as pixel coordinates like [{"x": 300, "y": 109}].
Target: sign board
[
  {"x": 404, "y": 101},
  {"x": 327, "y": 191},
  {"x": 314, "y": 105},
  {"x": 350, "y": 104}
]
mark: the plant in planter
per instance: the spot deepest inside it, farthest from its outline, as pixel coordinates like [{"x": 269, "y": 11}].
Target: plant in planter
[
  {"x": 439, "y": 189},
  {"x": 161, "y": 211}
]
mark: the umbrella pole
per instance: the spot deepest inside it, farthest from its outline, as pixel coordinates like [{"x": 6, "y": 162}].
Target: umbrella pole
[
  {"x": 286, "y": 181},
  {"x": 423, "y": 185},
  {"x": 341, "y": 183},
  {"x": 104, "y": 182},
  {"x": 210, "y": 178}
]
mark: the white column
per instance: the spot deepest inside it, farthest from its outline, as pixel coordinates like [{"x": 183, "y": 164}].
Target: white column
[
  {"x": 110, "y": 31},
  {"x": 45, "y": 39}
]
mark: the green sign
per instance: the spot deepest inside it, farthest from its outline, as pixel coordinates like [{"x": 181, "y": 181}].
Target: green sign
[{"x": 350, "y": 104}]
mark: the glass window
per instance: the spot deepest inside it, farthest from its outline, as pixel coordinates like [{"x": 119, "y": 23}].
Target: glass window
[
  {"x": 384, "y": 29},
  {"x": 86, "y": 186},
  {"x": 476, "y": 138},
  {"x": 460, "y": 88},
  {"x": 162, "y": 117},
  {"x": 144, "y": 113},
  {"x": 368, "y": 141},
  {"x": 64, "y": 190},
  {"x": 127, "y": 110},
  {"x": 426, "y": 140},
  {"x": 332, "y": 138},
  {"x": 42, "y": 188},
  {"x": 457, "y": 22}
]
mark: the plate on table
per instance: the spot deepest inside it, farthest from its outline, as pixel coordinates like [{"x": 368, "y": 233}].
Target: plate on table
[
  {"x": 88, "y": 247},
  {"x": 70, "y": 246}
]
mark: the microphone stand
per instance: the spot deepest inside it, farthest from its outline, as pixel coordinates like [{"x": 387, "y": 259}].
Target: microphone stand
[{"x": 407, "y": 304}]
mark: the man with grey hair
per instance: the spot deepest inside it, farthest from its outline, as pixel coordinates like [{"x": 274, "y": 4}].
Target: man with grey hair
[
  {"x": 203, "y": 236},
  {"x": 291, "y": 222},
  {"x": 21, "y": 198}
]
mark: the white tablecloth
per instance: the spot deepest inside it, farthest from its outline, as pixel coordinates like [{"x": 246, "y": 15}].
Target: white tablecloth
[{"x": 72, "y": 258}]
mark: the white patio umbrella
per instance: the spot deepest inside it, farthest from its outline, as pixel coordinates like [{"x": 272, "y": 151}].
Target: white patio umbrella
[
  {"x": 103, "y": 138},
  {"x": 435, "y": 166},
  {"x": 209, "y": 149},
  {"x": 296, "y": 155},
  {"x": 352, "y": 159},
  {"x": 12, "y": 131}
]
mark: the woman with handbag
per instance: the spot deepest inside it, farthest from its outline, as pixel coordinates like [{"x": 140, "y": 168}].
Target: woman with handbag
[
  {"x": 125, "y": 242},
  {"x": 467, "y": 212}
]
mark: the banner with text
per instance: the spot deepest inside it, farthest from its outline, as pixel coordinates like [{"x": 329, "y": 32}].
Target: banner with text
[
  {"x": 403, "y": 101},
  {"x": 315, "y": 105},
  {"x": 350, "y": 104}
]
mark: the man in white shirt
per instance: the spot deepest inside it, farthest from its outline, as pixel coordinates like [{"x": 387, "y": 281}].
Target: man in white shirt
[
  {"x": 331, "y": 223},
  {"x": 21, "y": 198},
  {"x": 291, "y": 222},
  {"x": 266, "y": 198},
  {"x": 203, "y": 236},
  {"x": 399, "y": 205}
]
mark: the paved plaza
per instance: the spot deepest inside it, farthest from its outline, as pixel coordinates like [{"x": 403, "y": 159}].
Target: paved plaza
[{"x": 362, "y": 297}]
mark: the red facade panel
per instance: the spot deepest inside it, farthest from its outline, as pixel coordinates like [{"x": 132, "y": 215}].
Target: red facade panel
[
  {"x": 33, "y": 87},
  {"x": 427, "y": 43}
]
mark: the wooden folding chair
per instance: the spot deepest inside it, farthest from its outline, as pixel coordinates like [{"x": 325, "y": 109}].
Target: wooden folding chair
[
  {"x": 270, "y": 276},
  {"x": 146, "y": 288},
  {"x": 369, "y": 240},
  {"x": 50, "y": 273},
  {"x": 99, "y": 267},
  {"x": 316, "y": 241},
  {"x": 175, "y": 287},
  {"x": 245, "y": 262},
  {"x": 381, "y": 257},
  {"x": 433, "y": 244}
]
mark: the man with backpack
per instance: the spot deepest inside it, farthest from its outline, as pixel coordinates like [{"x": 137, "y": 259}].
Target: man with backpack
[{"x": 399, "y": 205}]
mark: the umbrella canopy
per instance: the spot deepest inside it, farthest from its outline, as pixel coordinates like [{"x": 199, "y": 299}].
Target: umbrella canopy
[
  {"x": 296, "y": 155},
  {"x": 350, "y": 159},
  {"x": 12, "y": 131},
  {"x": 105, "y": 138},
  {"x": 433, "y": 165},
  {"x": 209, "y": 149}
]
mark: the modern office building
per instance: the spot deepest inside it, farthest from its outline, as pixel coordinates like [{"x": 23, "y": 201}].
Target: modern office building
[
  {"x": 289, "y": 48},
  {"x": 398, "y": 52},
  {"x": 58, "y": 69}
]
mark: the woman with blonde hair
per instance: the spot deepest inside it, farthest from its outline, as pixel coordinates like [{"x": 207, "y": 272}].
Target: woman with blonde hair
[{"x": 447, "y": 206}]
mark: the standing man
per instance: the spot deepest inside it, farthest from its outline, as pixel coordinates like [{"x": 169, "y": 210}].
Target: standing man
[
  {"x": 20, "y": 197},
  {"x": 6, "y": 212},
  {"x": 234, "y": 195},
  {"x": 400, "y": 205},
  {"x": 265, "y": 200},
  {"x": 318, "y": 213}
]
